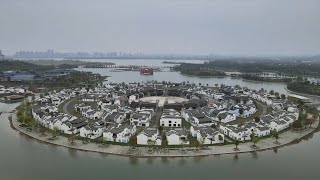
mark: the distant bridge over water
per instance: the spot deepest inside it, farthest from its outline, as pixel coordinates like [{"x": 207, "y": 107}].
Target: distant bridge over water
[{"x": 125, "y": 66}]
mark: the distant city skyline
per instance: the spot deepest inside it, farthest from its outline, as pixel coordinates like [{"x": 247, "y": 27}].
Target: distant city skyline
[
  {"x": 200, "y": 27},
  {"x": 50, "y": 53}
]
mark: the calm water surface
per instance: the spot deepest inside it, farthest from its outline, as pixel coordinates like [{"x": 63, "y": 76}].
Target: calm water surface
[{"x": 25, "y": 158}]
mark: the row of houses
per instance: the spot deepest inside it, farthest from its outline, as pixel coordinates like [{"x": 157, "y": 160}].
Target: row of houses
[
  {"x": 278, "y": 121},
  {"x": 11, "y": 90},
  {"x": 114, "y": 115},
  {"x": 18, "y": 76}
]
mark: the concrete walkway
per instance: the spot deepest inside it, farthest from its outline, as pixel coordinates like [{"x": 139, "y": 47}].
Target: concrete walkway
[{"x": 285, "y": 139}]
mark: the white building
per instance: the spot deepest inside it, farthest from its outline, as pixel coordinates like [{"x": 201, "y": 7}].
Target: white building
[
  {"x": 235, "y": 133},
  {"x": 226, "y": 117},
  {"x": 171, "y": 118},
  {"x": 141, "y": 119},
  {"x": 207, "y": 135},
  {"x": 115, "y": 117},
  {"x": 91, "y": 131},
  {"x": 119, "y": 133},
  {"x": 177, "y": 136},
  {"x": 149, "y": 136}
]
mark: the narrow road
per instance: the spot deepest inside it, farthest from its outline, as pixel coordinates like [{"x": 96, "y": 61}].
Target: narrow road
[
  {"x": 156, "y": 120},
  {"x": 264, "y": 108},
  {"x": 69, "y": 106}
]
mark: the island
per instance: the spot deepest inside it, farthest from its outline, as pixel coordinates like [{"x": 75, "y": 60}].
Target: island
[
  {"x": 255, "y": 69},
  {"x": 155, "y": 119},
  {"x": 198, "y": 70}
]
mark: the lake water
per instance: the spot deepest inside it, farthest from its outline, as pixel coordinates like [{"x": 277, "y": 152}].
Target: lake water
[{"x": 25, "y": 158}]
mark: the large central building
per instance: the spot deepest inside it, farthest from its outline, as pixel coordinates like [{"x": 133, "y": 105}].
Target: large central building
[{"x": 146, "y": 71}]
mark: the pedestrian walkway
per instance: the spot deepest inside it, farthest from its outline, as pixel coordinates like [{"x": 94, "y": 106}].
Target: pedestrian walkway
[{"x": 269, "y": 143}]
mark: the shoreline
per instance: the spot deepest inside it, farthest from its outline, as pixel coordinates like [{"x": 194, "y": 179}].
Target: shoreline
[
  {"x": 302, "y": 94},
  {"x": 286, "y": 138},
  {"x": 250, "y": 80},
  {"x": 189, "y": 75}
]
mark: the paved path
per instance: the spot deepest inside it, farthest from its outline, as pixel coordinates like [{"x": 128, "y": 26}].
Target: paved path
[
  {"x": 68, "y": 106},
  {"x": 285, "y": 139},
  {"x": 156, "y": 120},
  {"x": 264, "y": 108}
]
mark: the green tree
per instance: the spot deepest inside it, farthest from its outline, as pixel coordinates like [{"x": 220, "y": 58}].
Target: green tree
[
  {"x": 254, "y": 139},
  {"x": 42, "y": 130},
  {"x": 128, "y": 115},
  {"x": 299, "y": 78},
  {"x": 237, "y": 142},
  {"x": 133, "y": 140},
  {"x": 160, "y": 129},
  {"x": 164, "y": 142},
  {"x": 72, "y": 138},
  {"x": 55, "y": 132},
  {"x": 315, "y": 115},
  {"x": 275, "y": 134},
  {"x": 271, "y": 92},
  {"x": 297, "y": 124}
]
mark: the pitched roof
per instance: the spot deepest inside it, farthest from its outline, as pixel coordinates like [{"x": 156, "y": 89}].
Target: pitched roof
[{"x": 149, "y": 132}]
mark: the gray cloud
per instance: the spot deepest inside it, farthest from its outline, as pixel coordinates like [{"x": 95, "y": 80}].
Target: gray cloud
[{"x": 231, "y": 27}]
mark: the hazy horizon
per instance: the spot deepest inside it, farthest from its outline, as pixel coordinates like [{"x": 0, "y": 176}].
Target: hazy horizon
[{"x": 221, "y": 27}]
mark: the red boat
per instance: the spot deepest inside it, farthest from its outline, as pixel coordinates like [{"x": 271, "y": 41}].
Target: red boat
[{"x": 146, "y": 71}]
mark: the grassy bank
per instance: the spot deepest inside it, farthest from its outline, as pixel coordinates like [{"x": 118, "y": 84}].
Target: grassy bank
[{"x": 304, "y": 87}]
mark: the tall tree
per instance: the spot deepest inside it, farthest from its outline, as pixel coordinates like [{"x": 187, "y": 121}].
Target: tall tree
[
  {"x": 254, "y": 139},
  {"x": 237, "y": 142},
  {"x": 271, "y": 92},
  {"x": 275, "y": 134}
]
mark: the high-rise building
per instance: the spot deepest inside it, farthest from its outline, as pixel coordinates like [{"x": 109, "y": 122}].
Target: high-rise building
[{"x": 1, "y": 55}]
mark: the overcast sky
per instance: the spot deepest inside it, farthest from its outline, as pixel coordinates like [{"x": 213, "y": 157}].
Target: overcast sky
[{"x": 226, "y": 27}]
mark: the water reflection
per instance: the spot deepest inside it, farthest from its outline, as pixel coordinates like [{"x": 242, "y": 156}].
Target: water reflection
[
  {"x": 53, "y": 147},
  {"x": 236, "y": 157},
  {"x": 275, "y": 150},
  {"x": 150, "y": 160},
  {"x": 103, "y": 155},
  {"x": 165, "y": 160},
  {"x": 308, "y": 137},
  {"x": 197, "y": 159},
  {"x": 134, "y": 160},
  {"x": 73, "y": 153},
  {"x": 182, "y": 161},
  {"x": 217, "y": 155},
  {"x": 254, "y": 155}
]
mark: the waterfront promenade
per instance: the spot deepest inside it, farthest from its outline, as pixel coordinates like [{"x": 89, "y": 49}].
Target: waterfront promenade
[{"x": 264, "y": 144}]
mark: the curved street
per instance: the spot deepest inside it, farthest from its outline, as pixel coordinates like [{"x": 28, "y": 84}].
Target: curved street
[{"x": 68, "y": 106}]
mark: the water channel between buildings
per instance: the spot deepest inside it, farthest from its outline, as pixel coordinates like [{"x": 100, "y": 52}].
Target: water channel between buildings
[{"x": 22, "y": 157}]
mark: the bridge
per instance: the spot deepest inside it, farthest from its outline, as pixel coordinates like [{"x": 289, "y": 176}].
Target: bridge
[{"x": 125, "y": 66}]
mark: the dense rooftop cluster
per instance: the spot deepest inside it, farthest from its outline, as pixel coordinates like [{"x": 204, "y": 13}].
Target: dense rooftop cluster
[{"x": 163, "y": 113}]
